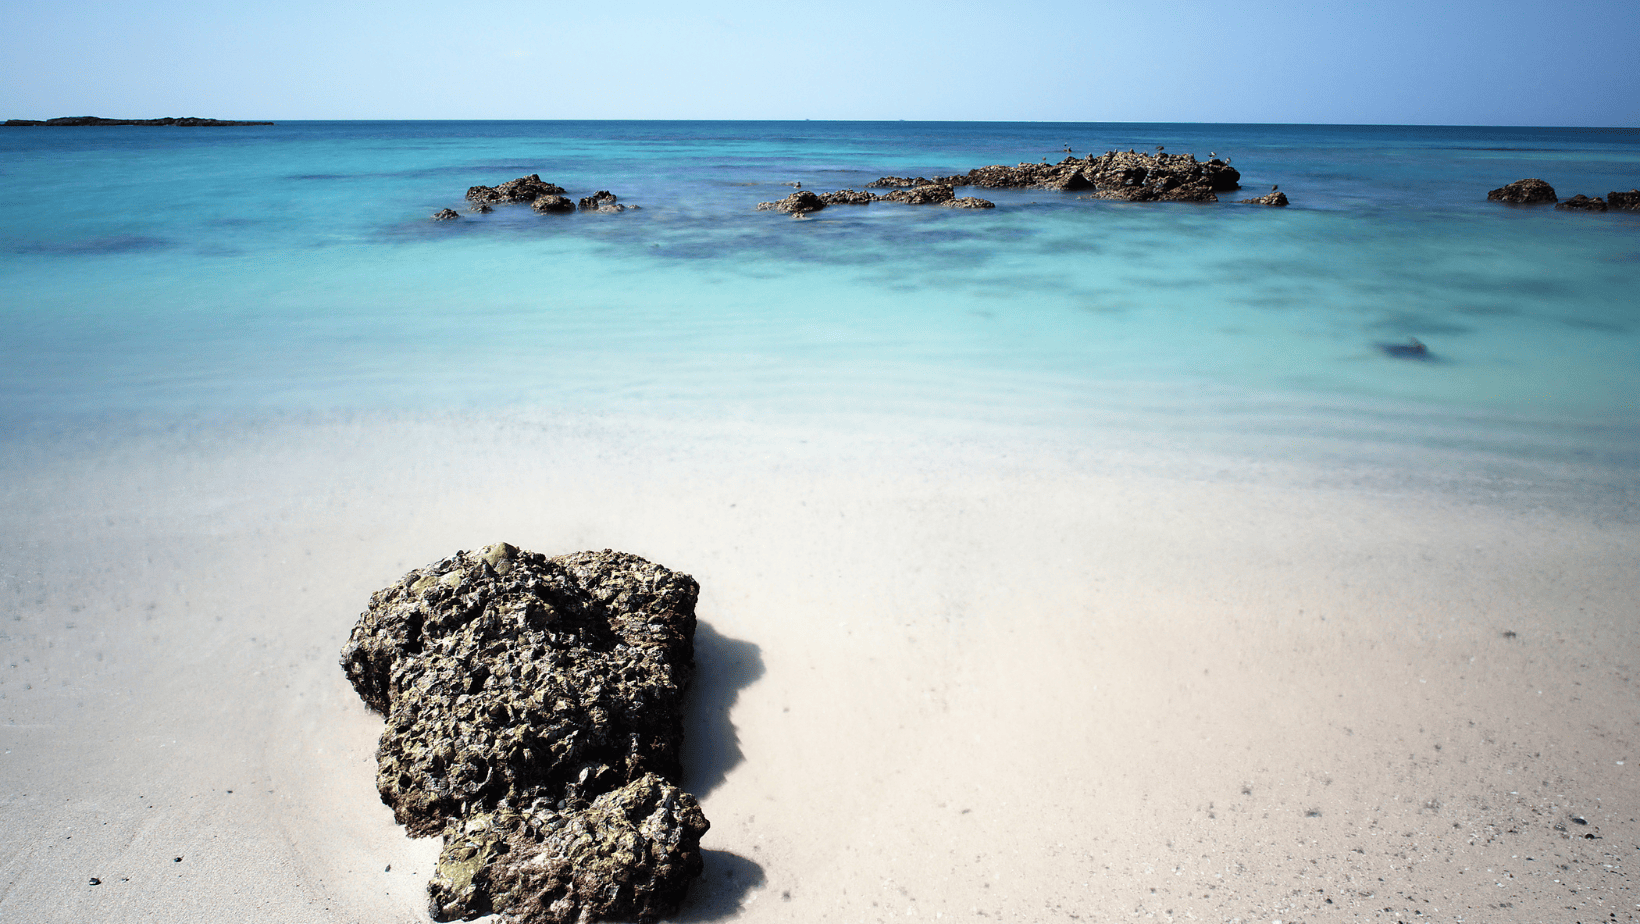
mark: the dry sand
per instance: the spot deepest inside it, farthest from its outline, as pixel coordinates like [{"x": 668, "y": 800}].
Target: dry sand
[{"x": 947, "y": 679}]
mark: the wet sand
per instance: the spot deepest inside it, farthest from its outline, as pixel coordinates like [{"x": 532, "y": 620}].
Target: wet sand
[{"x": 951, "y": 678}]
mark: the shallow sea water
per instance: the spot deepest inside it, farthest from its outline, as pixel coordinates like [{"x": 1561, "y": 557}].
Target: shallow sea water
[{"x": 294, "y": 269}]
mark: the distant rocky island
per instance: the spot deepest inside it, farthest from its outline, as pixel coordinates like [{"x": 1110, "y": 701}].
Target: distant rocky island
[{"x": 75, "y": 121}]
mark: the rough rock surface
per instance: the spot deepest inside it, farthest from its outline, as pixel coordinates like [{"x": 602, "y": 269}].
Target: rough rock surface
[
  {"x": 1623, "y": 200},
  {"x": 1276, "y": 198},
  {"x": 553, "y": 203},
  {"x": 1582, "y": 203},
  {"x": 1122, "y": 175},
  {"x": 797, "y": 202},
  {"x": 932, "y": 194},
  {"x": 848, "y": 197},
  {"x": 524, "y": 189},
  {"x": 481, "y": 207},
  {"x": 970, "y": 202},
  {"x": 898, "y": 182},
  {"x": 1524, "y": 192},
  {"x": 534, "y": 719},
  {"x": 446, "y": 215},
  {"x": 601, "y": 201}
]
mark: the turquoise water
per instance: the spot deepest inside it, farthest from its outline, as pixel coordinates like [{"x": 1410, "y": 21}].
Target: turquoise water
[{"x": 293, "y": 268}]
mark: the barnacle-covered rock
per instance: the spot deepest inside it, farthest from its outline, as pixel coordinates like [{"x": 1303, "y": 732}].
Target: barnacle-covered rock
[
  {"x": 932, "y": 194},
  {"x": 796, "y": 203},
  {"x": 849, "y": 197},
  {"x": 629, "y": 856},
  {"x": 524, "y": 189},
  {"x": 1530, "y": 191},
  {"x": 534, "y": 698}
]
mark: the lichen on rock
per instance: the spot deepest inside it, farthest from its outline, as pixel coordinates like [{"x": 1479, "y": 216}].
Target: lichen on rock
[{"x": 534, "y": 720}]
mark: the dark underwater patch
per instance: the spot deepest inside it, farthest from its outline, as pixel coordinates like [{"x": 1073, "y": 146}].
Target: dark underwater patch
[{"x": 123, "y": 243}]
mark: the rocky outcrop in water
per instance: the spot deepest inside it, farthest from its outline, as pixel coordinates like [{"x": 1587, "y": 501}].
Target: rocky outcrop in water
[
  {"x": 524, "y": 189},
  {"x": 931, "y": 194},
  {"x": 1582, "y": 203},
  {"x": 552, "y": 203},
  {"x": 848, "y": 197},
  {"x": 1531, "y": 191},
  {"x": 1274, "y": 197},
  {"x": 797, "y": 203},
  {"x": 601, "y": 201},
  {"x": 1623, "y": 200},
  {"x": 1126, "y": 176},
  {"x": 82, "y": 121},
  {"x": 446, "y": 215},
  {"x": 534, "y": 720},
  {"x": 928, "y": 194}
]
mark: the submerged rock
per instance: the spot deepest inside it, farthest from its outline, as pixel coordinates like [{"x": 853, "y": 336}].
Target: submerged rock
[
  {"x": 446, "y": 215},
  {"x": 1412, "y": 349},
  {"x": 534, "y": 719},
  {"x": 1582, "y": 203},
  {"x": 1531, "y": 191}
]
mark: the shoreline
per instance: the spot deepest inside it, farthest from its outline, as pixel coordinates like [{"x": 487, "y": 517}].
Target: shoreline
[{"x": 963, "y": 674}]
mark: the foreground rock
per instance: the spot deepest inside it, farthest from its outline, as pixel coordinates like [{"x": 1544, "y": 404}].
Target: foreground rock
[
  {"x": 970, "y": 202},
  {"x": 1531, "y": 191},
  {"x": 1623, "y": 200},
  {"x": 534, "y": 720},
  {"x": 1582, "y": 203},
  {"x": 80, "y": 121}
]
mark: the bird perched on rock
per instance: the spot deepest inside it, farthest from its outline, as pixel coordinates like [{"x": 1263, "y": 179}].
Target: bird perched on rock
[{"x": 1274, "y": 187}]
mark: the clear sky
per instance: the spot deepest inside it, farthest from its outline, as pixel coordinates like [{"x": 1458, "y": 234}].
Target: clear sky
[{"x": 1393, "y": 61}]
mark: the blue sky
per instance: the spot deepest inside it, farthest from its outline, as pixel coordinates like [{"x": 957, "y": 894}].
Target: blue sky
[{"x": 1400, "y": 61}]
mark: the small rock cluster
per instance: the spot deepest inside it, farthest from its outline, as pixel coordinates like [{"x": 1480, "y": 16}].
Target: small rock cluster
[
  {"x": 1533, "y": 191},
  {"x": 1124, "y": 175},
  {"x": 800, "y": 203},
  {"x": 541, "y": 196},
  {"x": 534, "y": 720},
  {"x": 1121, "y": 175}
]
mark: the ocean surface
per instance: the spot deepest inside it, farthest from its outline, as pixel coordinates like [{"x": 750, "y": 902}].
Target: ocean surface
[{"x": 182, "y": 273}]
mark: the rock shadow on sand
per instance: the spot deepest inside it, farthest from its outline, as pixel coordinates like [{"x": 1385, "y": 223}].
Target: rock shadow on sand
[
  {"x": 711, "y": 747},
  {"x": 721, "y": 890}
]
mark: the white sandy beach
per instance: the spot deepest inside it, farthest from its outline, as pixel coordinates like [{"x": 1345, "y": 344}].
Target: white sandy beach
[{"x": 939, "y": 679}]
